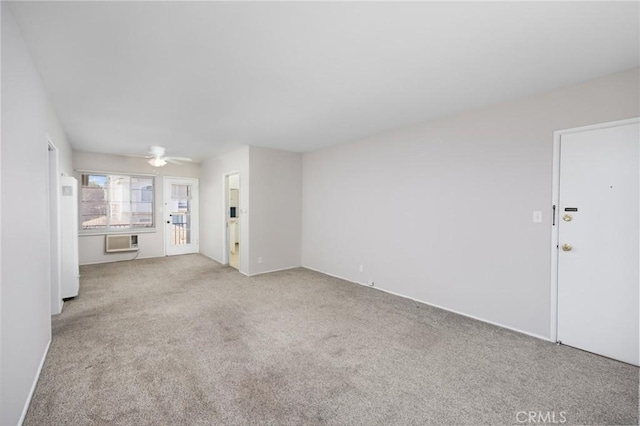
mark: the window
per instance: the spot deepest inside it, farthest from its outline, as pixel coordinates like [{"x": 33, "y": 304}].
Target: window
[{"x": 116, "y": 202}]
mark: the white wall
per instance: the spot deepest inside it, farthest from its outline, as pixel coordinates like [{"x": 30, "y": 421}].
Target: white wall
[
  {"x": 65, "y": 167},
  {"x": 151, "y": 244},
  {"x": 27, "y": 117},
  {"x": 442, "y": 212},
  {"x": 212, "y": 201},
  {"x": 276, "y": 206},
  {"x": 1, "y": 138},
  {"x": 270, "y": 207}
]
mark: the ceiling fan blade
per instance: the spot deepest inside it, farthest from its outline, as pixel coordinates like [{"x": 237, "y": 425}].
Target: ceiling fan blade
[
  {"x": 157, "y": 153},
  {"x": 136, "y": 156}
]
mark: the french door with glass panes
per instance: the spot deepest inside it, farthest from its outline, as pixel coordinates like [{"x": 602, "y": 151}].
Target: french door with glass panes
[{"x": 181, "y": 215}]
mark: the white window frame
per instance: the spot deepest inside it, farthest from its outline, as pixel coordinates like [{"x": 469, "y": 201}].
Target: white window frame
[{"x": 131, "y": 230}]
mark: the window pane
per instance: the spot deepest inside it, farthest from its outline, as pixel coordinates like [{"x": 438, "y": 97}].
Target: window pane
[
  {"x": 120, "y": 219},
  {"x": 142, "y": 202},
  {"x": 116, "y": 202},
  {"x": 142, "y": 220},
  {"x": 180, "y": 209},
  {"x": 119, "y": 188},
  {"x": 180, "y": 201},
  {"x": 94, "y": 203}
]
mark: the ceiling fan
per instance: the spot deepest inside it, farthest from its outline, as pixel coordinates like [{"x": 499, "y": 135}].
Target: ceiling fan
[{"x": 157, "y": 157}]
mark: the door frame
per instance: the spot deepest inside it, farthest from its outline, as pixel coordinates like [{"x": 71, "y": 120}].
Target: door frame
[
  {"x": 55, "y": 243},
  {"x": 555, "y": 214},
  {"x": 195, "y": 210},
  {"x": 225, "y": 213}
]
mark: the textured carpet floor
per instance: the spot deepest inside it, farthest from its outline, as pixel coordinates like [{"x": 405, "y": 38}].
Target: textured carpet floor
[{"x": 183, "y": 340}]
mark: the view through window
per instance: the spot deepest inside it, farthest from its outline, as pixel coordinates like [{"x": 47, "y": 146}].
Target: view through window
[{"x": 116, "y": 202}]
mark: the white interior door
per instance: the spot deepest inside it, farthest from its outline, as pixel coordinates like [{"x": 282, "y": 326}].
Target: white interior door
[
  {"x": 598, "y": 234},
  {"x": 181, "y": 215}
]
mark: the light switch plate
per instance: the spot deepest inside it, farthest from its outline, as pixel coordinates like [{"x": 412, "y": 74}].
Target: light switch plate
[{"x": 537, "y": 217}]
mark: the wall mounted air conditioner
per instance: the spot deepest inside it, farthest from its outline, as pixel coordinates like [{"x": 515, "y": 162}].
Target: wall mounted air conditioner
[{"x": 117, "y": 243}]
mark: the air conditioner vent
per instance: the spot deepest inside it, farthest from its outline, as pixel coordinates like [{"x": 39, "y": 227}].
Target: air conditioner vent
[{"x": 118, "y": 243}]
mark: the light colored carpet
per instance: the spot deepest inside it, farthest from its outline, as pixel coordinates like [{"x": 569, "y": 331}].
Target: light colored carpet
[{"x": 183, "y": 340}]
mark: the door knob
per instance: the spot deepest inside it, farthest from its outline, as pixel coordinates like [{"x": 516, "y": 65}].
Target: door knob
[
  {"x": 567, "y": 218},
  {"x": 567, "y": 247}
]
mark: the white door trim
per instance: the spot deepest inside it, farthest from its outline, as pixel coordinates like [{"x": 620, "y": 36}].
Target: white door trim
[
  {"x": 195, "y": 210},
  {"x": 55, "y": 247},
  {"x": 555, "y": 199}
]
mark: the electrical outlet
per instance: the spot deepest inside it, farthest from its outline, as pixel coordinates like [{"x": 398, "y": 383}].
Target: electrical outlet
[
  {"x": 260, "y": 259},
  {"x": 371, "y": 283},
  {"x": 361, "y": 268}
]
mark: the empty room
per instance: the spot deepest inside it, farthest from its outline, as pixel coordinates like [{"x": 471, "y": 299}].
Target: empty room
[{"x": 307, "y": 213}]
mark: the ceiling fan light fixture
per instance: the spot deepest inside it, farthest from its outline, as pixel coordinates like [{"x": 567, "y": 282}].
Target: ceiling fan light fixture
[{"x": 157, "y": 162}]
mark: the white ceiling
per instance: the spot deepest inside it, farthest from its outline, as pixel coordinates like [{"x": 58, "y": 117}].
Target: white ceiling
[{"x": 200, "y": 78}]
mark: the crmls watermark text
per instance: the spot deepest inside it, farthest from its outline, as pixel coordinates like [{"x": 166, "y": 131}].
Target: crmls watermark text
[{"x": 541, "y": 417}]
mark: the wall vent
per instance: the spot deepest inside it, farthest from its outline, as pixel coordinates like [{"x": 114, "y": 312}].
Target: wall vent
[{"x": 118, "y": 243}]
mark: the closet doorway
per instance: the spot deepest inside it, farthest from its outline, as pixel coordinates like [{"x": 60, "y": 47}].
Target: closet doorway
[{"x": 232, "y": 218}]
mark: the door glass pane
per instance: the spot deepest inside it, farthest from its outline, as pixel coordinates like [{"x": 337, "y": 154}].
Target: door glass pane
[{"x": 181, "y": 214}]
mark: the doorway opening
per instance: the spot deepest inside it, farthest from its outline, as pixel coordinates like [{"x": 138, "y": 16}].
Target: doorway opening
[
  {"x": 232, "y": 219},
  {"x": 55, "y": 259}
]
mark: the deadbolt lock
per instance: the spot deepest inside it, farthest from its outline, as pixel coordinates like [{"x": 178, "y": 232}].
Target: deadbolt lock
[
  {"x": 567, "y": 247},
  {"x": 567, "y": 218}
]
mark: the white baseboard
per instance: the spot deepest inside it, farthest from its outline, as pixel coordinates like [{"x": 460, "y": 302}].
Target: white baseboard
[
  {"x": 33, "y": 386},
  {"x": 537, "y": 336},
  {"x": 119, "y": 260},
  {"x": 224, "y": 264},
  {"x": 255, "y": 274},
  {"x": 212, "y": 258},
  {"x": 273, "y": 270}
]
